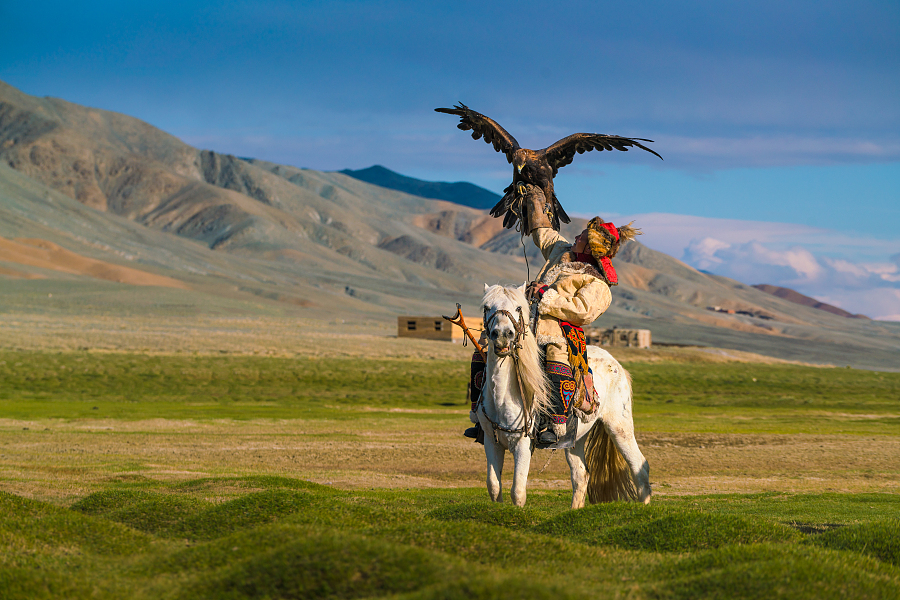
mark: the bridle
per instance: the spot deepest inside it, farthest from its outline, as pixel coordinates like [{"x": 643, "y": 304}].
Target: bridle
[
  {"x": 518, "y": 324},
  {"x": 515, "y": 345}
]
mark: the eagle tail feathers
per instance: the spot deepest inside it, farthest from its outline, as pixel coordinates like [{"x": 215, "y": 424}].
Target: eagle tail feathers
[
  {"x": 559, "y": 213},
  {"x": 509, "y": 221}
]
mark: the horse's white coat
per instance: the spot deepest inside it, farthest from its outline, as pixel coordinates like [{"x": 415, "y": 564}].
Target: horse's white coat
[{"x": 502, "y": 401}]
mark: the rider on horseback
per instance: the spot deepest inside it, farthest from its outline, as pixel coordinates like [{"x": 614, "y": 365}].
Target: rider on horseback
[{"x": 571, "y": 291}]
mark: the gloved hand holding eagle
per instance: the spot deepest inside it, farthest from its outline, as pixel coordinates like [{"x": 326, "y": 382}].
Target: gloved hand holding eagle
[{"x": 535, "y": 168}]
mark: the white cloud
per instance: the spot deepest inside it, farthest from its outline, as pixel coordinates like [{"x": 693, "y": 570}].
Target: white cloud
[
  {"x": 701, "y": 253},
  {"x": 768, "y": 151},
  {"x": 887, "y": 271},
  {"x": 824, "y": 264}
]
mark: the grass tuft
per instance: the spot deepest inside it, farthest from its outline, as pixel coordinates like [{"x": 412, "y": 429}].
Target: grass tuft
[
  {"x": 771, "y": 571},
  {"x": 661, "y": 528},
  {"x": 33, "y": 526},
  {"x": 502, "y": 515},
  {"x": 145, "y": 511},
  {"x": 251, "y": 510},
  {"x": 328, "y": 565},
  {"x": 880, "y": 539}
]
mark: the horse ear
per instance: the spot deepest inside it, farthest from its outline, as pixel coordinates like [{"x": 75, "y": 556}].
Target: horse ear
[
  {"x": 523, "y": 286},
  {"x": 486, "y": 286}
]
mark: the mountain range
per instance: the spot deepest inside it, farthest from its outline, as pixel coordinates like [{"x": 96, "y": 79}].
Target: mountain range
[
  {"x": 460, "y": 192},
  {"x": 90, "y": 197}
]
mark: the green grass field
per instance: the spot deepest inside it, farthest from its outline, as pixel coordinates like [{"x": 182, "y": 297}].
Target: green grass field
[
  {"x": 131, "y": 533},
  {"x": 284, "y": 538},
  {"x": 729, "y": 397}
]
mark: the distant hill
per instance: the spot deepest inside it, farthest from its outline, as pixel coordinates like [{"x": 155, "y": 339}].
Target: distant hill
[
  {"x": 798, "y": 298},
  {"x": 89, "y": 198},
  {"x": 467, "y": 194}
]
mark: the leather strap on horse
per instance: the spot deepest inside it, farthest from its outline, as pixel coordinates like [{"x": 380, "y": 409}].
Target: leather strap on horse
[{"x": 496, "y": 426}]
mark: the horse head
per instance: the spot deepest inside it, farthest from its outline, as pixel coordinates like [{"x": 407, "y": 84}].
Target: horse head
[{"x": 505, "y": 317}]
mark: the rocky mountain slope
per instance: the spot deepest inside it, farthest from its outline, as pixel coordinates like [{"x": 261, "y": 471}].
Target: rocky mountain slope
[
  {"x": 798, "y": 298},
  {"x": 95, "y": 195}
]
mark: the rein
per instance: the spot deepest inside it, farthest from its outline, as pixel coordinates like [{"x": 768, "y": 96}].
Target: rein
[{"x": 495, "y": 426}]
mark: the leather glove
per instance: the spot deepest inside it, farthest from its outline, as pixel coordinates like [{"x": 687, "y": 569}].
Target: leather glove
[{"x": 534, "y": 208}]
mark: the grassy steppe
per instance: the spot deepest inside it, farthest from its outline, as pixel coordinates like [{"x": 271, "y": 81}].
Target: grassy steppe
[
  {"x": 728, "y": 397},
  {"x": 284, "y": 538},
  {"x": 133, "y": 534}
]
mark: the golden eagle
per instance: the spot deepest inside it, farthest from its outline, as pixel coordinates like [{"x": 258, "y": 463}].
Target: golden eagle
[{"x": 535, "y": 167}]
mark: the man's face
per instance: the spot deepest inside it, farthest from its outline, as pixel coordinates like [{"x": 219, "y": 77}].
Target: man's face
[{"x": 581, "y": 241}]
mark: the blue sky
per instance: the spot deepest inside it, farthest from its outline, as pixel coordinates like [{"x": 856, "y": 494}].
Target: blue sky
[{"x": 768, "y": 112}]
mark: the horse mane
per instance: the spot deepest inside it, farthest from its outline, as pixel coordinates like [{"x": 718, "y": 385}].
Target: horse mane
[{"x": 530, "y": 366}]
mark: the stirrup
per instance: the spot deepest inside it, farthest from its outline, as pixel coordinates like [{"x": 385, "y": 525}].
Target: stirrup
[{"x": 548, "y": 436}]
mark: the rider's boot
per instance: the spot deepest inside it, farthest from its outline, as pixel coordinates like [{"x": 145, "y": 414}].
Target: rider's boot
[{"x": 476, "y": 383}]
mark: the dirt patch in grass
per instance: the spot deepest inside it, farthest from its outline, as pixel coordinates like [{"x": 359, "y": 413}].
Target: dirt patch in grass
[
  {"x": 76, "y": 422},
  {"x": 58, "y": 461}
]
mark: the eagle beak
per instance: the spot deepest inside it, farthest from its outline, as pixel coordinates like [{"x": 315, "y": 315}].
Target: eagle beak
[{"x": 519, "y": 169}]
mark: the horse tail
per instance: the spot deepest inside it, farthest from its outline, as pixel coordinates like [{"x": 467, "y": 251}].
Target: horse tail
[{"x": 609, "y": 478}]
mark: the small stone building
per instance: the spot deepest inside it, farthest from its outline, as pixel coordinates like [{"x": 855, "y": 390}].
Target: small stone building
[
  {"x": 631, "y": 338},
  {"x": 434, "y": 328}
]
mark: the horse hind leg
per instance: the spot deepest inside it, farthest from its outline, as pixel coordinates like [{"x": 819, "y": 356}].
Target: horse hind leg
[
  {"x": 578, "y": 472},
  {"x": 621, "y": 431}
]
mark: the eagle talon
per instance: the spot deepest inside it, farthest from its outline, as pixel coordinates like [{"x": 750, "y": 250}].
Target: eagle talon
[{"x": 521, "y": 189}]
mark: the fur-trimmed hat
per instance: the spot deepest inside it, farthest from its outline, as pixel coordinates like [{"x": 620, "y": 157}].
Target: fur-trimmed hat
[{"x": 604, "y": 239}]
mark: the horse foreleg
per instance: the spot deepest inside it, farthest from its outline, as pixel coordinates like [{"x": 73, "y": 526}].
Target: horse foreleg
[
  {"x": 578, "y": 472},
  {"x": 495, "y": 454},
  {"x": 521, "y": 452},
  {"x": 622, "y": 432}
]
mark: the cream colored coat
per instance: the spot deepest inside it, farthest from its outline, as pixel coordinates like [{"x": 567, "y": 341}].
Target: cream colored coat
[{"x": 577, "y": 293}]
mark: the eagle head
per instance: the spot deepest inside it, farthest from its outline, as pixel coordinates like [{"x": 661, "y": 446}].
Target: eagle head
[{"x": 519, "y": 158}]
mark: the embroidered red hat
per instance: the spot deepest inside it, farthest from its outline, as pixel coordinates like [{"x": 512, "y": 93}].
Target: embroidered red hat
[{"x": 604, "y": 239}]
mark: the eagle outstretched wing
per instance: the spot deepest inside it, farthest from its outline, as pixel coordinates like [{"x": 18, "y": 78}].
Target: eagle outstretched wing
[
  {"x": 562, "y": 152},
  {"x": 483, "y": 126}
]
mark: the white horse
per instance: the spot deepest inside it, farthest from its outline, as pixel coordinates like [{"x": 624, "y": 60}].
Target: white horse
[{"x": 605, "y": 462}]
